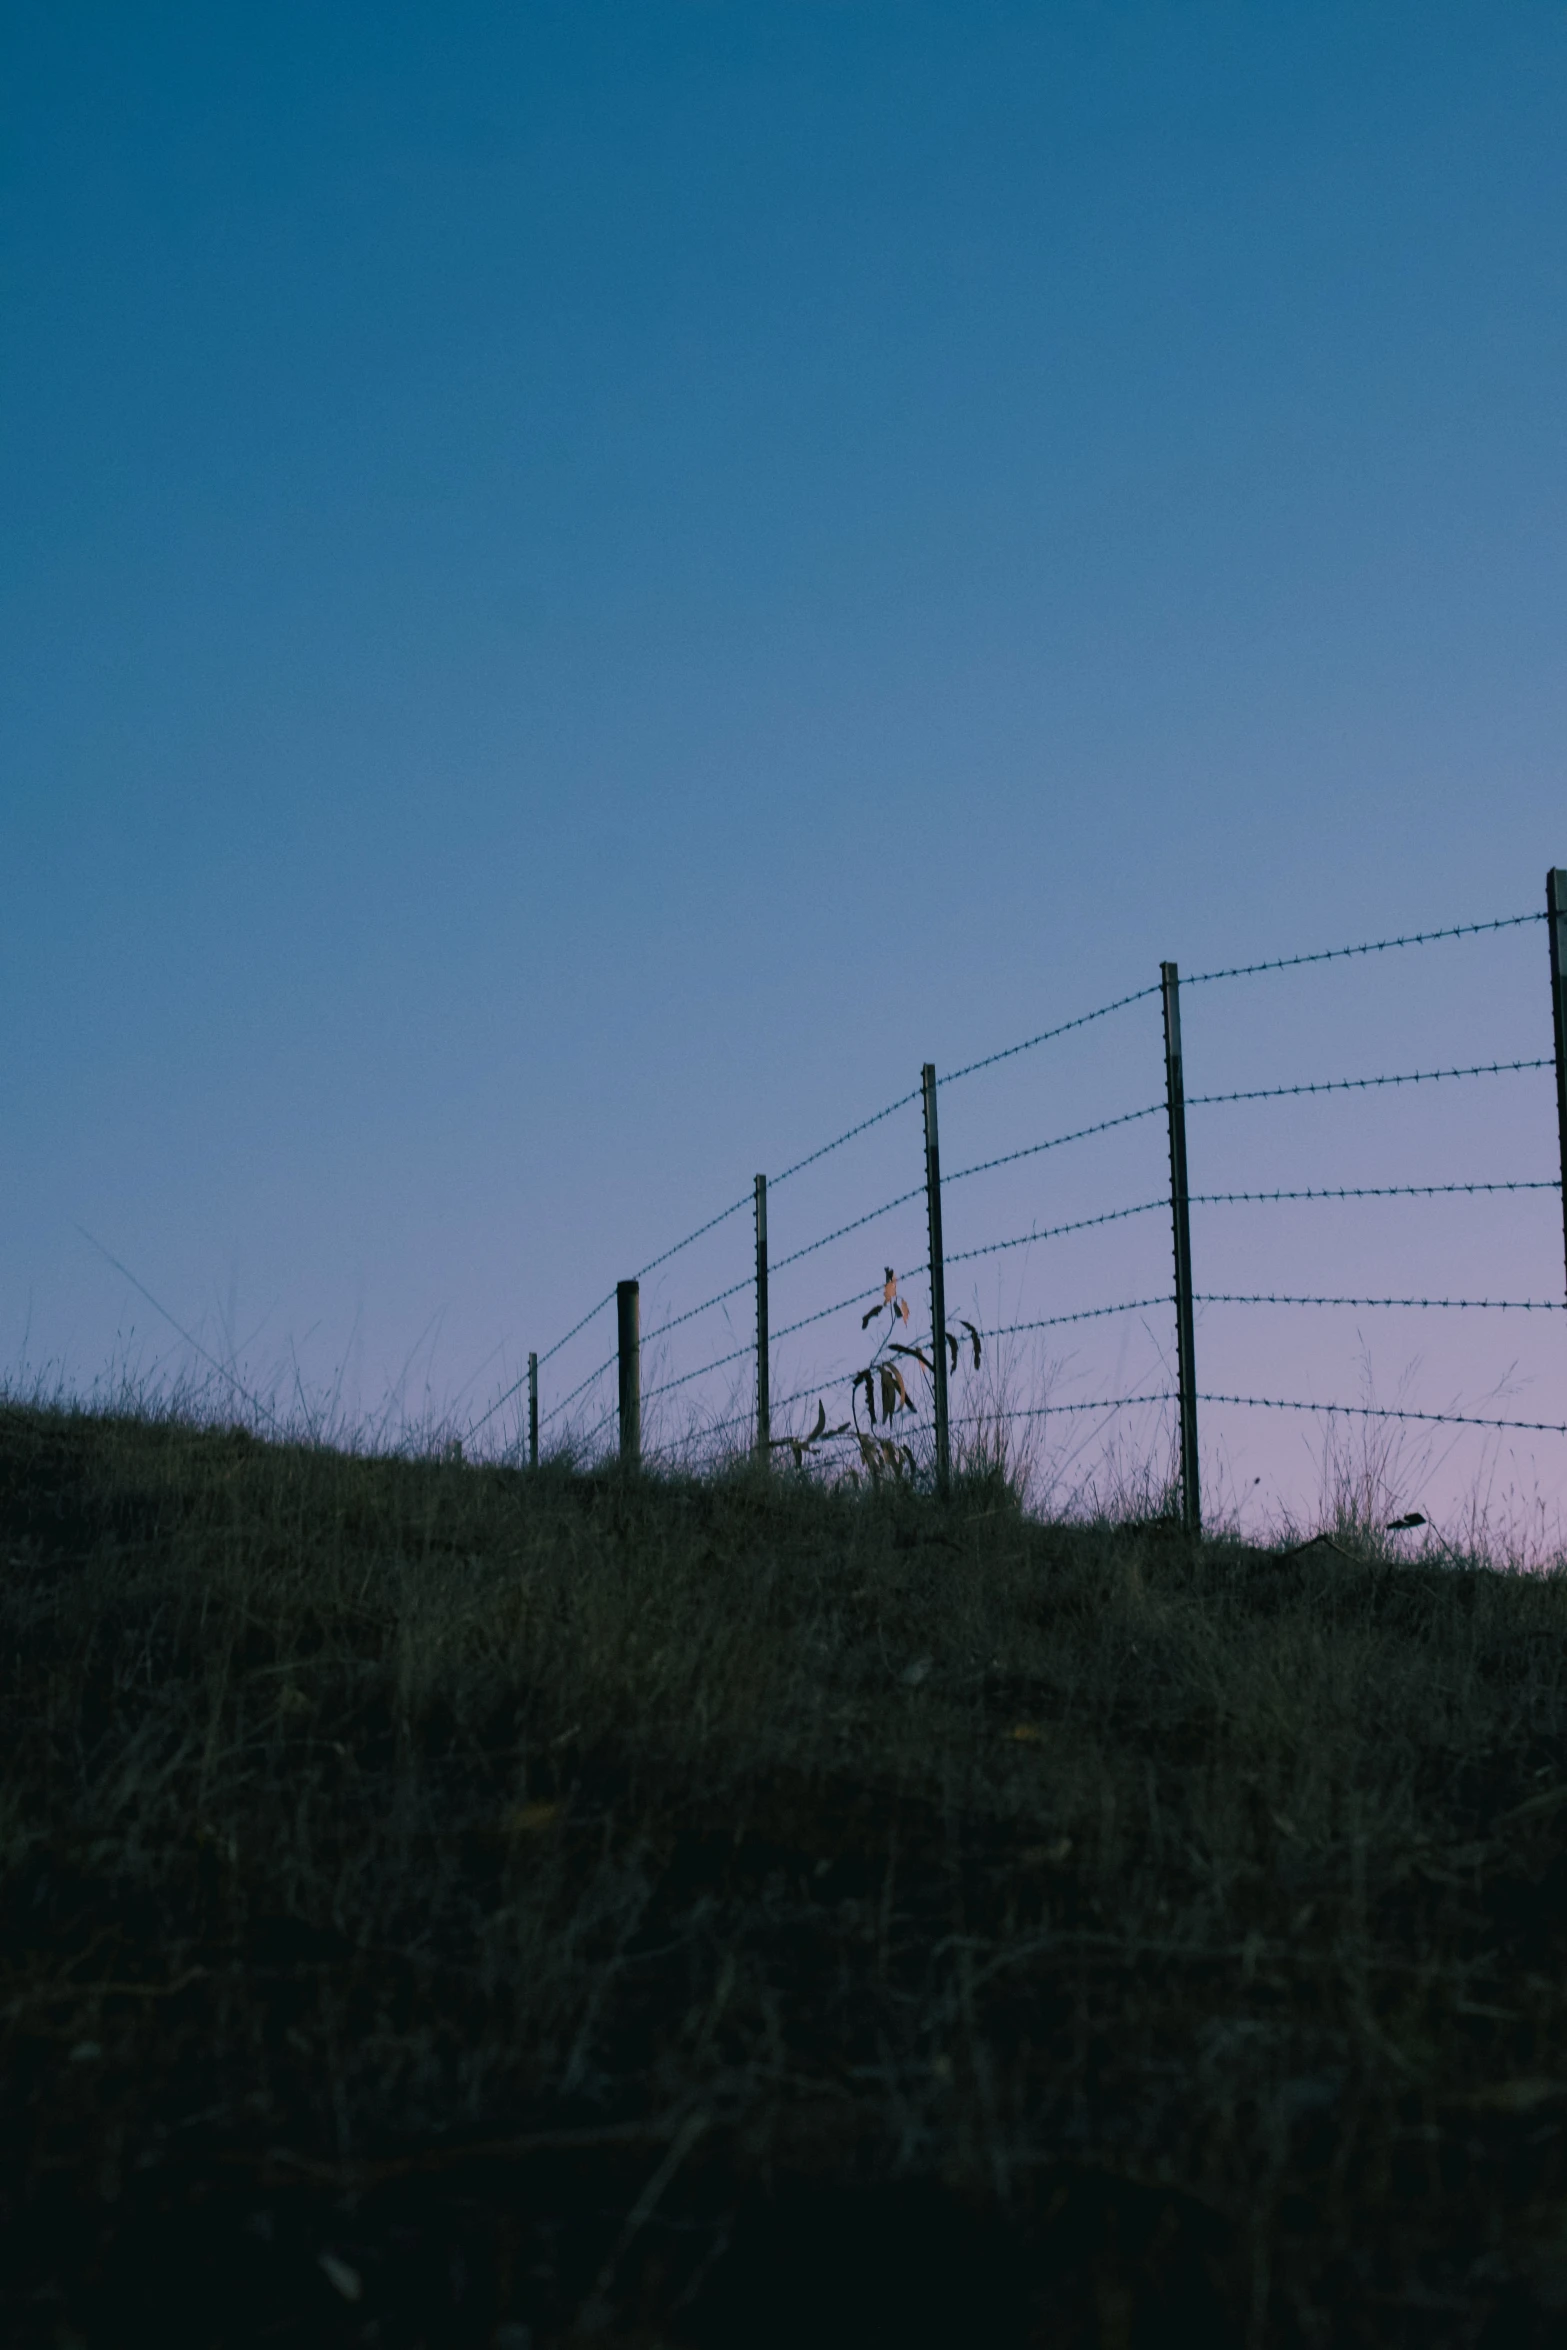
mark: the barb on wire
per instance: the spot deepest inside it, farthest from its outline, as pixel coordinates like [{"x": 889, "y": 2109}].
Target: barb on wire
[
  {"x": 848, "y": 1135},
  {"x": 1212, "y": 1199},
  {"x": 1366, "y": 1411},
  {"x": 1054, "y": 1231},
  {"x": 1269, "y": 1093},
  {"x": 581, "y": 1388},
  {"x": 1493, "y": 1305},
  {"x": 692, "y": 1312},
  {"x": 1046, "y": 1035},
  {"x": 812, "y": 1246},
  {"x": 1373, "y": 946},
  {"x": 1032, "y": 1150},
  {"x": 1133, "y": 1305}
]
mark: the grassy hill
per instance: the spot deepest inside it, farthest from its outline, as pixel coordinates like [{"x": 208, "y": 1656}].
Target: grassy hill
[{"x": 447, "y": 1905}]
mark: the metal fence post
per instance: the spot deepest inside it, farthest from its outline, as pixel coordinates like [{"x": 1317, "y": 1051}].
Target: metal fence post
[
  {"x": 938, "y": 1279},
  {"x": 764, "y": 1416},
  {"x": 1180, "y": 1214},
  {"x": 533, "y": 1411},
  {"x": 1556, "y": 913},
  {"x": 628, "y": 1313}
]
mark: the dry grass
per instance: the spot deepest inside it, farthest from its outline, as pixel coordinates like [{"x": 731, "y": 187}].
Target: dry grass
[{"x": 439, "y": 1900}]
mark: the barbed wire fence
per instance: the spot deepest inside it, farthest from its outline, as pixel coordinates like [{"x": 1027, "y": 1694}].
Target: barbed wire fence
[{"x": 911, "y": 1366}]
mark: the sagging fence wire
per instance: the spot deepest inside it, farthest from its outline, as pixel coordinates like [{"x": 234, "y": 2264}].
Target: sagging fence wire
[{"x": 1176, "y": 1200}]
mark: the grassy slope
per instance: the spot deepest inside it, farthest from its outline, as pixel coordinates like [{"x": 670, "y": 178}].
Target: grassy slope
[{"x": 718, "y": 1914}]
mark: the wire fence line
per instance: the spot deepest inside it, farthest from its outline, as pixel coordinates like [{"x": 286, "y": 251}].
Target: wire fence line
[
  {"x": 1371, "y": 946},
  {"x": 1032, "y": 1150},
  {"x": 847, "y": 1135},
  {"x": 1455, "y": 1305},
  {"x": 1048, "y": 1411},
  {"x": 1176, "y": 1201},
  {"x": 1047, "y": 1035},
  {"x": 720, "y": 1297},
  {"x": 858, "y": 1223},
  {"x": 1367, "y": 1411},
  {"x": 1225, "y": 1199},
  {"x": 990, "y": 1248},
  {"x": 1271, "y": 1093}
]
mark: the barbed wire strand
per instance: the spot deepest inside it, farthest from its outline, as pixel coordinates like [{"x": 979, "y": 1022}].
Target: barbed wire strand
[
  {"x": 1366, "y": 1411},
  {"x": 1269, "y": 1093},
  {"x": 1374, "y": 946},
  {"x": 823, "y": 1313},
  {"x": 711, "y": 1225},
  {"x": 1042, "y": 1411},
  {"x": 779, "y": 1404},
  {"x": 839, "y": 1140},
  {"x": 1032, "y": 1150},
  {"x": 691, "y": 1312},
  {"x": 1133, "y": 1305},
  {"x": 1053, "y": 1231},
  {"x": 506, "y": 1395},
  {"x": 591, "y": 1315},
  {"x": 1491, "y": 1305},
  {"x": 1046, "y": 1035},
  {"x": 812, "y": 1246},
  {"x": 1212, "y": 1199},
  {"x": 861, "y": 1297},
  {"x": 581, "y": 1388},
  {"x": 701, "y": 1372}
]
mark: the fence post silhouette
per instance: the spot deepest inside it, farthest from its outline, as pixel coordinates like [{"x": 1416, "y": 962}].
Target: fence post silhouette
[
  {"x": 628, "y": 1315},
  {"x": 1556, "y": 923},
  {"x": 938, "y": 1279},
  {"x": 1180, "y": 1216},
  {"x": 533, "y": 1411},
  {"x": 764, "y": 1417}
]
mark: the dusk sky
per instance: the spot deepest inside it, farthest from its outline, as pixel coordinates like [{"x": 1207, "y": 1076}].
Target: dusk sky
[{"x": 587, "y": 586}]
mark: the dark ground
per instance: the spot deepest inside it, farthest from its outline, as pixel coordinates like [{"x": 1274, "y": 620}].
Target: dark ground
[{"x": 446, "y": 1906}]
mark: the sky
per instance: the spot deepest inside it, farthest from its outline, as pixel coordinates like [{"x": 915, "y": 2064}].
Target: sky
[{"x": 586, "y": 587}]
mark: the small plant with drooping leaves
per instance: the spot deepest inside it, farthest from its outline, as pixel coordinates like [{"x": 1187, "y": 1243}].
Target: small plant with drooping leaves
[{"x": 883, "y": 1383}]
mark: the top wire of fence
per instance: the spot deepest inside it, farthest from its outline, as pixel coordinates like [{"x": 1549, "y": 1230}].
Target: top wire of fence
[
  {"x": 1046, "y": 1035},
  {"x": 847, "y": 1135},
  {"x": 1370, "y": 946}
]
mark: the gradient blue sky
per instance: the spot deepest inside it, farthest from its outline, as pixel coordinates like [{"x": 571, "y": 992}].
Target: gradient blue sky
[{"x": 585, "y": 586}]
